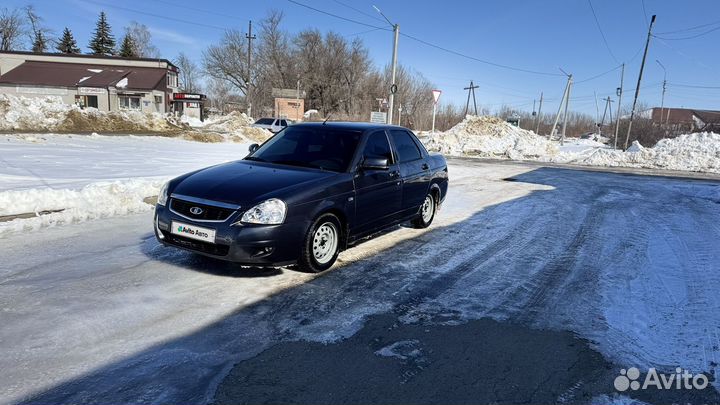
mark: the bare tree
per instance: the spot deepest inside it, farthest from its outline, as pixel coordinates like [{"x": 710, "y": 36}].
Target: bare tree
[
  {"x": 189, "y": 74},
  {"x": 228, "y": 60},
  {"x": 11, "y": 29},
  {"x": 39, "y": 35},
  {"x": 141, "y": 40}
]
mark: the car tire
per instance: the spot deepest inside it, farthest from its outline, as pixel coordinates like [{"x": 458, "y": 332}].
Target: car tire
[
  {"x": 427, "y": 212},
  {"x": 321, "y": 245}
]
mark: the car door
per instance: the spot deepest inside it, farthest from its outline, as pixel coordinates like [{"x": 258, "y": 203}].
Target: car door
[
  {"x": 378, "y": 193},
  {"x": 414, "y": 171}
]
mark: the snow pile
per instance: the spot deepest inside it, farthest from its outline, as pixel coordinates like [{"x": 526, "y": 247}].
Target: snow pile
[
  {"x": 698, "y": 152},
  {"x": 484, "y": 136},
  {"x": 235, "y": 127},
  {"x": 96, "y": 200},
  {"x": 52, "y": 114}
]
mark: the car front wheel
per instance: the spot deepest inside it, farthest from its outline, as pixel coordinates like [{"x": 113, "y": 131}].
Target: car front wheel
[
  {"x": 322, "y": 244},
  {"x": 427, "y": 212}
]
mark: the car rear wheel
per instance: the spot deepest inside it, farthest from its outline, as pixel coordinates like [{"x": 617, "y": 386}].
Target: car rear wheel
[
  {"x": 427, "y": 212},
  {"x": 322, "y": 244}
]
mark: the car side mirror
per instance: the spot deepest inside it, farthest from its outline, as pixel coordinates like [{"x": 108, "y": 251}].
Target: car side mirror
[
  {"x": 253, "y": 147},
  {"x": 372, "y": 163}
]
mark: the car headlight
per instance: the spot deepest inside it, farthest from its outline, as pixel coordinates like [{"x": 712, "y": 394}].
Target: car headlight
[
  {"x": 163, "y": 195},
  {"x": 268, "y": 212}
]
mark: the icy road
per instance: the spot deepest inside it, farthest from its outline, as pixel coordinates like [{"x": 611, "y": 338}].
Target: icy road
[{"x": 535, "y": 284}]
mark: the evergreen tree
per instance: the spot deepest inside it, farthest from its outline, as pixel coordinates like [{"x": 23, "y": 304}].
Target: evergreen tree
[
  {"x": 103, "y": 42},
  {"x": 39, "y": 44},
  {"x": 128, "y": 48},
  {"x": 67, "y": 43}
]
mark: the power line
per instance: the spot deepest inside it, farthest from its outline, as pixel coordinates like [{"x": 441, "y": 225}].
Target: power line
[
  {"x": 597, "y": 22},
  {"x": 429, "y": 44},
  {"x": 689, "y": 28},
  {"x": 477, "y": 59},
  {"x": 97, "y": 3},
  {"x": 600, "y": 75},
  {"x": 374, "y": 17},
  {"x": 693, "y": 86},
  {"x": 337, "y": 16},
  {"x": 690, "y": 37}
]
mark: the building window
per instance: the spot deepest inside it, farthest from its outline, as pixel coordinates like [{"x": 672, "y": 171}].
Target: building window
[
  {"x": 129, "y": 103},
  {"x": 158, "y": 99},
  {"x": 172, "y": 79}
]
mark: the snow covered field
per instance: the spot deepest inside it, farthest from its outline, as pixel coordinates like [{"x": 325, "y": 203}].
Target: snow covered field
[
  {"x": 627, "y": 262},
  {"x": 92, "y": 176}
]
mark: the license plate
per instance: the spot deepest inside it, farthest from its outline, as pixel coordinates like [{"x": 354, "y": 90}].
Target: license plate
[{"x": 193, "y": 232}]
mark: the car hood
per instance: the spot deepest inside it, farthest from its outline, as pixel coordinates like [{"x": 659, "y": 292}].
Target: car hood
[{"x": 244, "y": 182}]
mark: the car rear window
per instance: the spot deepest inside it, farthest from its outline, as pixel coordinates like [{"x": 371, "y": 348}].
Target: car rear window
[
  {"x": 406, "y": 148},
  {"x": 316, "y": 147}
]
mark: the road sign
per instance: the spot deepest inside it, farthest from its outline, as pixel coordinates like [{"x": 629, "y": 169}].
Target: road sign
[
  {"x": 378, "y": 117},
  {"x": 436, "y": 95}
]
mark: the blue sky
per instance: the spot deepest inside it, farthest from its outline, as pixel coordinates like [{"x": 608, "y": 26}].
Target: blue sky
[{"x": 533, "y": 35}]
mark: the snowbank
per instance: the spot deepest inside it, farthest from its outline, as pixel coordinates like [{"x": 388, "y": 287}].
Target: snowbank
[
  {"x": 52, "y": 114},
  {"x": 96, "y": 200},
  {"x": 490, "y": 137},
  {"x": 233, "y": 127},
  {"x": 494, "y": 138},
  {"x": 698, "y": 152}
]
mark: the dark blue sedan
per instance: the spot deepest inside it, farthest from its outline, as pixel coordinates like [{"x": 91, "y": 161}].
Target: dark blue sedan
[{"x": 304, "y": 195}]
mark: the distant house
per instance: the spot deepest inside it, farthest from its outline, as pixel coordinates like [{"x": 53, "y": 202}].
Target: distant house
[
  {"x": 687, "y": 119},
  {"x": 107, "y": 83}
]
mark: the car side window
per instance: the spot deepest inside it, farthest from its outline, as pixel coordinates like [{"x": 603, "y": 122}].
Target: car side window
[
  {"x": 418, "y": 143},
  {"x": 283, "y": 123},
  {"x": 377, "y": 146},
  {"x": 405, "y": 147}
]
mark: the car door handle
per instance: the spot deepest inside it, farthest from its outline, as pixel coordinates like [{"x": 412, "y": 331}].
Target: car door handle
[{"x": 425, "y": 166}]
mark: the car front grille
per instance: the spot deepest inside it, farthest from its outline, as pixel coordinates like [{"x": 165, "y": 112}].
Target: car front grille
[{"x": 208, "y": 213}]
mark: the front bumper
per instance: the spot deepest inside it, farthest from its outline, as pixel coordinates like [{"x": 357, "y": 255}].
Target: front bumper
[{"x": 258, "y": 245}]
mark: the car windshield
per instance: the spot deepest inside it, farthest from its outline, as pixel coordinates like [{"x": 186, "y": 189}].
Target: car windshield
[
  {"x": 264, "y": 121},
  {"x": 323, "y": 148}
]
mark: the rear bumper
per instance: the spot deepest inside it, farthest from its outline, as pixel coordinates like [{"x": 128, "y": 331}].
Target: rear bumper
[{"x": 258, "y": 245}]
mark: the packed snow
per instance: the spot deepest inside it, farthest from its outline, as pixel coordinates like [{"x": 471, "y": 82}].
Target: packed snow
[
  {"x": 93, "y": 176},
  {"x": 494, "y": 138},
  {"x": 52, "y": 114}
]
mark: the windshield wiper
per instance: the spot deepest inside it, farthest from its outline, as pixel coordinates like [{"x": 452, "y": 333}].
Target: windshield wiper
[
  {"x": 298, "y": 163},
  {"x": 255, "y": 159}
]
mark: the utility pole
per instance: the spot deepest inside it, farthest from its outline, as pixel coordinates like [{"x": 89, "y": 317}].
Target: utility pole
[
  {"x": 537, "y": 119},
  {"x": 471, "y": 89},
  {"x": 662, "y": 100},
  {"x": 393, "y": 86},
  {"x": 564, "y": 98},
  {"x": 619, "y": 94},
  {"x": 567, "y": 103},
  {"x": 297, "y": 101},
  {"x": 637, "y": 88},
  {"x": 608, "y": 107},
  {"x": 249, "y": 37}
]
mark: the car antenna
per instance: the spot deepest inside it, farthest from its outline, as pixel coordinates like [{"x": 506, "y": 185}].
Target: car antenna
[{"x": 327, "y": 118}]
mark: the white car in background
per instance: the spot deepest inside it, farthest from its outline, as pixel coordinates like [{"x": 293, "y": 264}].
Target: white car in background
[{"x": 272, "y": 124}]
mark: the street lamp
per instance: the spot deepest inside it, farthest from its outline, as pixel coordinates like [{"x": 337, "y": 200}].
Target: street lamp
[{"x": 393, "y": 86}]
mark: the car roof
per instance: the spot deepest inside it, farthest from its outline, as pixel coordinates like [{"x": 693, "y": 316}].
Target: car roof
[{"x": 352, "y": 126}]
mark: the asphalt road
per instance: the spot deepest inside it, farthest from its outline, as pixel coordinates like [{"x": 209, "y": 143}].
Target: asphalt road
[{"x": 501, "y": 300}]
